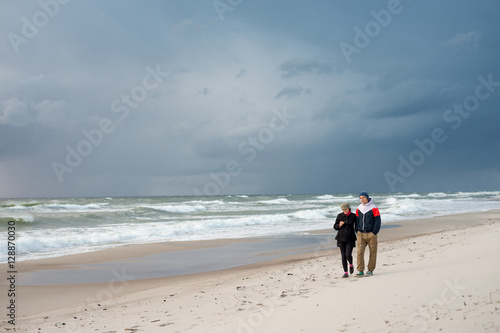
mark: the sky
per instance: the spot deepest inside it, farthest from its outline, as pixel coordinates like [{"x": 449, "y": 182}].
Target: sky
[{"x": 204, "y": 97}]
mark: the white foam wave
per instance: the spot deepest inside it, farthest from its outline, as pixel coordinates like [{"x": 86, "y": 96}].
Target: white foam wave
[
  {"x": 437, "y": 195},
  {"x": 143, "y": 220},
  {"x": 492, "y": 194},
  {"x": 21, "y": 218},
  {"x": 404, "y": 207},
  {"x": 241, "y": 221},
  {"x": 335, "y": 198},
  {"x": 70, "y": 240},
  {"x": 71, "y": 207},
  {"x": 311, "y": 214},
  {"x": 206, "y": 203},
  {"x": 413, "y": 195},
  {"x": 326, "y": 197},
  {"x": 279, "y": 201},
  {"x": 177, "y": 208},
  {"x": 16, "y": 208}
]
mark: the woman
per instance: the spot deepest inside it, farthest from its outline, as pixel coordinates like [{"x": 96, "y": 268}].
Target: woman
[{"x": 346, "y": 236}]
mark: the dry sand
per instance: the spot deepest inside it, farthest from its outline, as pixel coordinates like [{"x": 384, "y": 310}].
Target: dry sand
[{"x": 433, "y": 275}]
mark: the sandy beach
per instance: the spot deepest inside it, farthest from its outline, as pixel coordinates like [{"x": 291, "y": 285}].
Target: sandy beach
[{"x": 438, "y": 274}]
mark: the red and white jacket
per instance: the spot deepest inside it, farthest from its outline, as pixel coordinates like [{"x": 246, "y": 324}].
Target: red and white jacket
[{"x": 368, "y": 218}]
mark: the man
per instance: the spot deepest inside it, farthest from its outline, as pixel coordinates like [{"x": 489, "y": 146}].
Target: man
[{"x": 367, "y": 228}]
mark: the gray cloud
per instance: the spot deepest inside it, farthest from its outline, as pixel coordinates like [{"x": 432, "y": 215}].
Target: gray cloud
[
  {"x": 81, "y": 84},
  {"x": 464, "y": 39},
  {"x": 241, "y": 73},
  {"x": 299, "y": 65},
  {"x": 290, "y": 92}
]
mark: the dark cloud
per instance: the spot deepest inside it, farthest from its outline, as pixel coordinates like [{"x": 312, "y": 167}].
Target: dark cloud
[
  {"x": 267, "y": 87},
  {"x": 290, "y": 92},
  {"x": 469, "y": 39},
  {"x": 241, "y": 73},
  {"x": 299, "y": 65}
]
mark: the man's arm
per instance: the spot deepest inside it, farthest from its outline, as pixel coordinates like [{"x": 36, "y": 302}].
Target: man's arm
[{"x": 376, "y": 215}]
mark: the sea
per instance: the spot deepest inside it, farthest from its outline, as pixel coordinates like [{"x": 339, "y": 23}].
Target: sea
[{"x": 53, "y": 227}]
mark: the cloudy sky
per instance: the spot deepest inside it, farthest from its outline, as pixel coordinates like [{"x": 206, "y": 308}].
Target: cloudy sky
[{"x": 109, "y": 98}]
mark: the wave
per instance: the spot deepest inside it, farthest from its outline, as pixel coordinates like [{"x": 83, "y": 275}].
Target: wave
[
  {"x": 57, "y": 227},
  {"x": 75, "y": 206},
  {"x": 206, "y": 202},
  {"x": 68, "y": 239},
  {"x": 403, "y": 207},
  {"x": 312, "y": 214},
  {"x": 41, "y": 207},
  {"x": 464, "y": 195},
  {"x": 17, "y": 219},
  {"x": 437, "y": 195},
  {"x": 240, "y": 221},
  {"x": 177, "y": 208},
  {"x": 492, "y": 194},
  {"x": 326, "y": 197},
  {"x": 20, "y": 206},
  {"x": 279, "y": 201},
  {"x": 413, "y": 195},
  {"x": 336, "y": 198}
]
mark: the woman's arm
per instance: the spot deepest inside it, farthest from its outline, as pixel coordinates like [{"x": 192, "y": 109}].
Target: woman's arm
[{"x": 337, "y": 225}]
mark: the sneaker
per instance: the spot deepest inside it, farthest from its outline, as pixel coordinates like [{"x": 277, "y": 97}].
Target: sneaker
[
  {"x": 351, "y": 269},
  {"x": 360, "y": 274},
  {"x": 345, "y": 275},
  {"x": 369, "y": 273}
]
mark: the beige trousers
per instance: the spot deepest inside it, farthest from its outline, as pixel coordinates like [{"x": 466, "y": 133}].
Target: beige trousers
[{"x": 369, "y": 239}]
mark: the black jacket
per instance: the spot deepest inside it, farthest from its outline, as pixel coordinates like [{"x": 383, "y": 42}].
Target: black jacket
[
  {"x": 368, "y": 218},
  {"x": 345, "y": 233}
]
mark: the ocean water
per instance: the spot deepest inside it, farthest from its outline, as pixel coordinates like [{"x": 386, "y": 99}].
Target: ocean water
[{"x": 54, "y": 227}]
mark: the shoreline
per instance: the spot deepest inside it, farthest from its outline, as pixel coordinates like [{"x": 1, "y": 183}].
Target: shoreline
[
  {"x": 131, "y": 252},
  {"x": 39, "y": 301}
]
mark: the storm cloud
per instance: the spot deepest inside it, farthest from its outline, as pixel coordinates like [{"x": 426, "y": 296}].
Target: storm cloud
[{"x": 122, "y": 98}]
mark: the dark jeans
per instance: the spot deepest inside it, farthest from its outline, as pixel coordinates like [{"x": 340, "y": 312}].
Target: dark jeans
[{"x": 346, "y": 252}]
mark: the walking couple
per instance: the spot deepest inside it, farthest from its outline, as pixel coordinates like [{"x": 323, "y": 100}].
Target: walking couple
[{"x": 362, "y": 227}]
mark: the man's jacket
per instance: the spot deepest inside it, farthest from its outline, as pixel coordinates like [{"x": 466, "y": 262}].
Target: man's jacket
[{"x": 368, "y": 218}]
